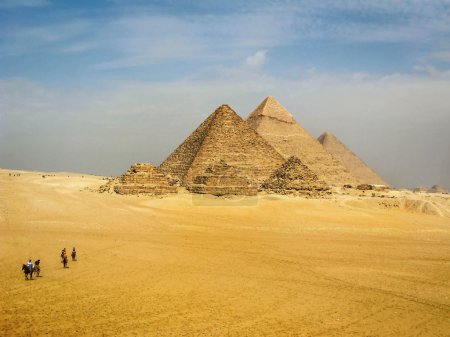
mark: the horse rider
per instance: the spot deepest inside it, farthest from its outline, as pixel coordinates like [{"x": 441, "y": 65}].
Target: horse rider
[
  {"x": 30, "y": 265},
  {"x": 62, "y": 254}
]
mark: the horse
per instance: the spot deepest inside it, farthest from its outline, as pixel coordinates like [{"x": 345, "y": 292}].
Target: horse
[
  {"x": 74, "y": 255},
  {"x": 27, "y": 271}
]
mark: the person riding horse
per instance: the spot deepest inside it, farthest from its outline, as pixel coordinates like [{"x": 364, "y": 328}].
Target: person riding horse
[
  {"x": 30, "y": 265},
  {"x": 28, "y": 269}
]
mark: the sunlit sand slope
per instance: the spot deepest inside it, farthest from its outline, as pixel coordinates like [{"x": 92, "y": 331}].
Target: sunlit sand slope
[{"x": 274, "y": 266}]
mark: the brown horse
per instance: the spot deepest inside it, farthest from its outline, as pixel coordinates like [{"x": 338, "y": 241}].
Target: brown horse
[{"x": 27, "y": 271}]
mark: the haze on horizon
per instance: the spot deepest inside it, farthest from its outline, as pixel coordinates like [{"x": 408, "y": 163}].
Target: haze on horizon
[{"x": 95, "y": 86}]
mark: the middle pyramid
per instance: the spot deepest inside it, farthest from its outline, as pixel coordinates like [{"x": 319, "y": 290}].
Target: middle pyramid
[
  {"x": 276, "y": 125},
  {"x": 223, "y": 137}
]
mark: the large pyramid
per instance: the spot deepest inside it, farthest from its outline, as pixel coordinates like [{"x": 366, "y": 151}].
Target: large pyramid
[
  {"x": 275, "y": 124},
  {"x": 223, "y": 136},
  {"x": 349, "y": 160}
]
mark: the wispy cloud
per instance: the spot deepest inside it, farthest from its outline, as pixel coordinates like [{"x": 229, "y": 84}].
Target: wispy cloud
[
  {"x": 10, "y": 4},
  {"x": 142, "y": 37},
  {"x": 49, "y": 37}
]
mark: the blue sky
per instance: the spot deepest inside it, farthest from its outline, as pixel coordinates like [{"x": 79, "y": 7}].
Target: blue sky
[{"x": 71, "y": 69}]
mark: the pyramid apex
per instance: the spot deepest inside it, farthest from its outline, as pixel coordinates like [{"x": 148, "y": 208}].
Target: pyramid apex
[
  {"x": 326, "y": 135},
  {"x": 271, "y": 108}
]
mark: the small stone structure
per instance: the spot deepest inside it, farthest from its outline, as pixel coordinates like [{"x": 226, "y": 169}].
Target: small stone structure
[
  {"x": 143, "y": 178},
  {"x": 294, "y": 177},
  {"x": 419, "y": 189},
  {"x": 437, "y": 189},
  {"x": 222, "y": 179}
]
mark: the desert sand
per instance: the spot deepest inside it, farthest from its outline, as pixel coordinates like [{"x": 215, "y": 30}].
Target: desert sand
[{"x": 179, "y": 265}]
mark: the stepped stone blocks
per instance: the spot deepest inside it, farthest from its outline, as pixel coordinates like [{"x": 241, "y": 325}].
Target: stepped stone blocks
[
  {"x": 144, "y": 178},
  {"x": 276, "y": 125},
  {"x": 349, "y": 160},
  {"x": 294, "y": 177},
  {"x": 223, "y": 136},
  {"x": 222, "y": 179}
]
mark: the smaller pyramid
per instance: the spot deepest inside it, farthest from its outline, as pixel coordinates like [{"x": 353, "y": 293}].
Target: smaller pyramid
[
  {"x": 277, "y": 126},
  {"x": 294, "y": 177},
  {"x": 271, "y": 108},
  {"x": 222, "y": 179},
  {"x": 437, "y": 189},
  {"x": 144, "y": 178},
  {"x": 349, "y": 160},
  {"x": 420, "y": 189}
]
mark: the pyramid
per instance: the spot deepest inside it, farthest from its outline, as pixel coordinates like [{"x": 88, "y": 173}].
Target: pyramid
[
  {"x": 349, "y": 160},
  {"x": 222, "y": 179},
  {"x": 437, "y": 189},
  {"x": 276, "y": 125},
  {"x": 144, "y": 178},
  {"x": 223, "y": 136},
  {"x": 294, "y": 177},
  {"x": 420, "y": 189}
]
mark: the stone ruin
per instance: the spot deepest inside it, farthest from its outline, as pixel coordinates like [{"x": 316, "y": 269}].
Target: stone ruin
[
  {"x": 222, "y": 179},
  {"x": 143, "y": 178},
  {"x": 294, "y": 177}
]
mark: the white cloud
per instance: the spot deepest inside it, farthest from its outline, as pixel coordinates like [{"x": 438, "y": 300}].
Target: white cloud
[{"x": 257, "y": 60}]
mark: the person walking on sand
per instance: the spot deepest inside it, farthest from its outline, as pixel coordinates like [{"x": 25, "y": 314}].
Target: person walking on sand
[
  {"x": 74, "y": 254},
  {"x": 65, "y": 259}
]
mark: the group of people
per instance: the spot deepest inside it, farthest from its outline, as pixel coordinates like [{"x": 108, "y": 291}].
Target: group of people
[
  {"x": 29, "y": 268},
  {"x": 64, "y": 258}
]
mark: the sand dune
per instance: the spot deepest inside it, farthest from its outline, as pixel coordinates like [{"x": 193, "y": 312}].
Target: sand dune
[{"x": 350, "y": 265}]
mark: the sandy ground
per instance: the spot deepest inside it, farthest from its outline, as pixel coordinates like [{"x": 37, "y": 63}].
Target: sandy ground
[{"x": 270, "y": 266}]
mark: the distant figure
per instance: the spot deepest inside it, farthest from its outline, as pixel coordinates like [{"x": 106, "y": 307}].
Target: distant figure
[
  {"x": 62, "y": 254},
  {"x": 30, "y": 267},
  {"x": 37, "y": 267},
  {"x": 65, "y": 259},
  {"x": 74, "y": 254},
  {"x": 26, "y": 271}
]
